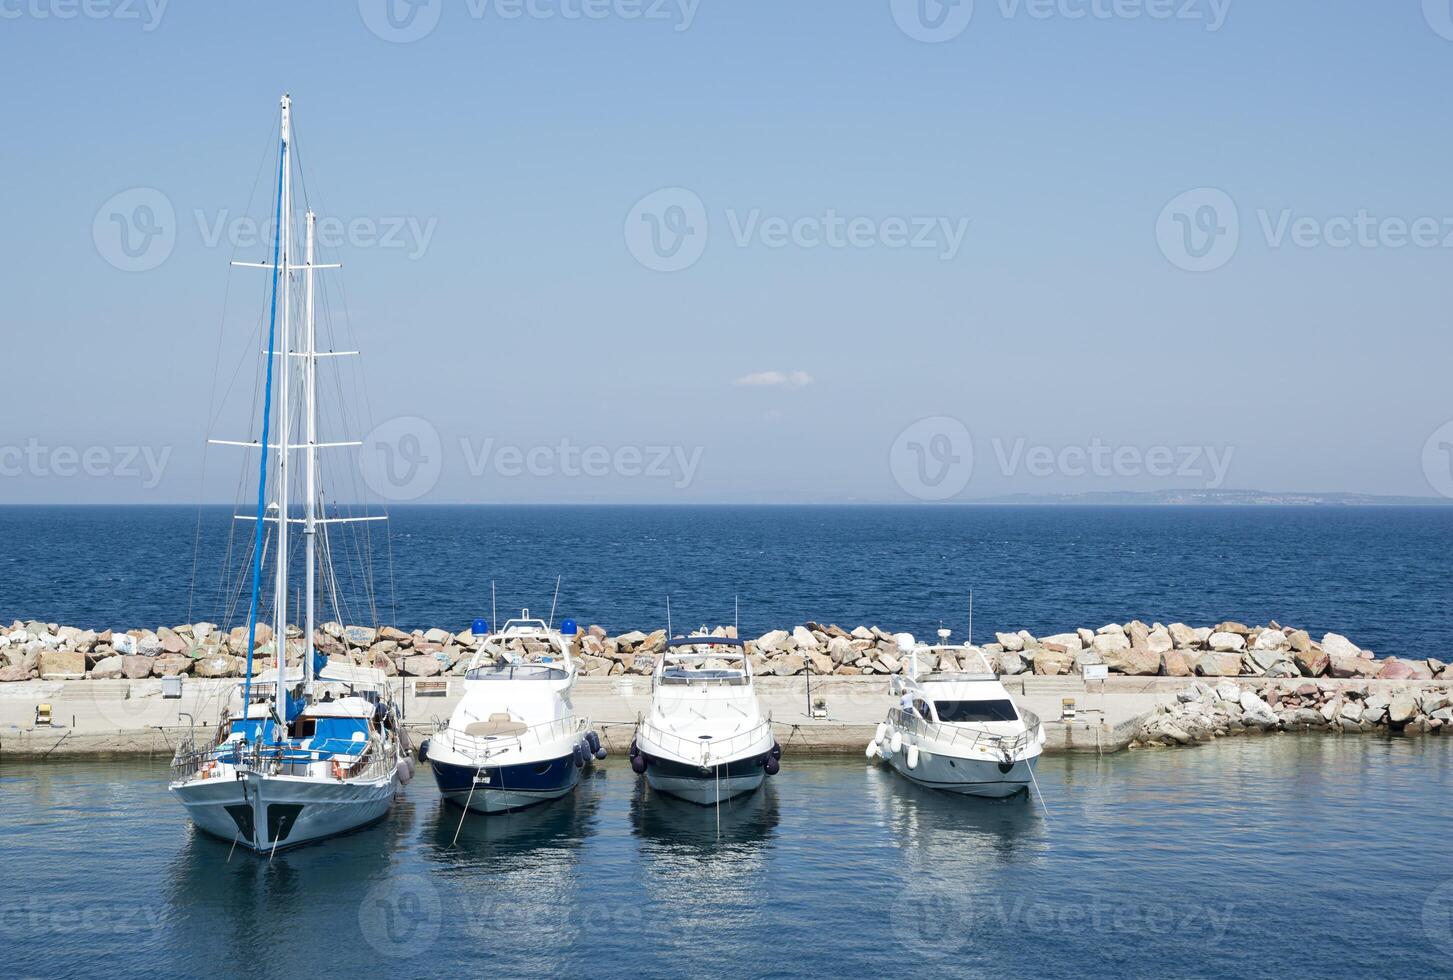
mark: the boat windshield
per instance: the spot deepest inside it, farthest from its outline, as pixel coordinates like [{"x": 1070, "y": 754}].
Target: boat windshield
[
  {"x": 960, "y": 712},
  {"x": 516, "y": 672},
  {"x": 683, "y": 675}
]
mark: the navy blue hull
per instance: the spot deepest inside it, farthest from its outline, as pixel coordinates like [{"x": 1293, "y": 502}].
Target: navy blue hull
[
  {"x": 517, "y": 785},
  {"x": 678, "y": 770}
]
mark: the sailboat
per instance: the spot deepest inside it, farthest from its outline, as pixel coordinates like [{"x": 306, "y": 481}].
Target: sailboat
[{"x": 317, "y": 749}]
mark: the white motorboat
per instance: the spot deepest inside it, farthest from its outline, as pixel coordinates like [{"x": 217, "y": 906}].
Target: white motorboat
[
  {"x": 957, "y": 731},
  {"x": 514, "y": 739},
  {"x": 323, "y": 752},
  {"x": 704, "y": 738}
]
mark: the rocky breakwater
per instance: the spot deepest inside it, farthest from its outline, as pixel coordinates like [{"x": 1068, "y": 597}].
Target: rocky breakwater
[
  {"x": 49, "y": 651},
  {"x": 1227, "y": 649},
  {"x": 1206, "y": 711}
]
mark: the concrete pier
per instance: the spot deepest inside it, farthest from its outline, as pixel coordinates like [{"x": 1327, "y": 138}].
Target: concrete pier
[
  {"x": 133, "y": 717},
  {"x": 105, "y": 717}
]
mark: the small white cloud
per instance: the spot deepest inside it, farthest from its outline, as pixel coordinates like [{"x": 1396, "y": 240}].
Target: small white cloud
[{"x": 775, "y": 379}]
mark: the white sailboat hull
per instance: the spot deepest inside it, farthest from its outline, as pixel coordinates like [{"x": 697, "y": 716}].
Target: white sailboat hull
[{"x": 272, "y": 813}]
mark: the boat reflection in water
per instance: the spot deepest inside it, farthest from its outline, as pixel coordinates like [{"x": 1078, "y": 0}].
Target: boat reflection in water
[
  {"x": 240, "y": 897},
  {"x": 460, "y": 839}
]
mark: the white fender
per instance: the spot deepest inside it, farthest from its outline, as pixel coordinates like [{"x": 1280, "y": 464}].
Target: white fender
[
  {"x": 895, "y": 744},
  {"x": 881, "y": 733},
  {"x": 912, "y": 757},
  {"x": 405, "y": 771},
  {"x": 872, "y": 749}
]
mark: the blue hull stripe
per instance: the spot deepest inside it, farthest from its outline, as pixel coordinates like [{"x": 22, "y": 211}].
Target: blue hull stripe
[{"x": 556, "y": 775}]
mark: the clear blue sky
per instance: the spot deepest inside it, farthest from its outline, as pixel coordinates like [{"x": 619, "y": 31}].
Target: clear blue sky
[{"x": 786, "y": 372}]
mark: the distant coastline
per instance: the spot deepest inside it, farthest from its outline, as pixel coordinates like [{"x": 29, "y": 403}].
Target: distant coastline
[{"x": 1225, "y": 498}]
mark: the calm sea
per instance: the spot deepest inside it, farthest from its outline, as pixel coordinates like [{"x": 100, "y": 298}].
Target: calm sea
[
  {"x": 1380, "y": 575},
  {"x": 1282, "y": 856}
]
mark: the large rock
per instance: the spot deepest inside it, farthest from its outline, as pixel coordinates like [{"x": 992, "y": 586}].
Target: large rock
[
  {"x": 803, "y": 639},
  {"x": 1393, "y": 669},
  {"x": 422, "y": 665},
  {"x": 1299, "y": 640},
  {"x": 1159, "y": 640},
  {"x": 654, "y": 642},
  {"x": 220, "y": 665},
  {"x": 1311, "y": 663},
  {"x": 789, "y": 664},
  {"x": 1218, "y": 665},
  {"x": 1106, "y": 644},
  {"x": 171, "y": 666},
  {"x": 1271, "y": 661},
  {"x": 772, "y": 641},
  {"x": 1256, "y": 711},
  {"x": 1270, "y": 639},
  {"x": 1010, "y": 641},
  {"x": 356, "y": 636},
  {"x": 12, "y": 673},
  {"x": 1137, "y": 662},
  {"x": 840, "y": 650},
  {"x": 1225, "y": 641},
  {"x": 1182, "y": 636},
  {"x": 1063, "y": 642},
  {"x": 108, "y": 668},
  {"x": 135, "y": 667},
  {"x": 1231, "y": 626},
  {"x": 1176, "y": 663},
  {"x": 1403, "y": 708},
  {"x": 436, "y": 635},
  {"x": 1338, "y": 645},
  {"x": 61, "y": 664},
  {"x": 1344, "y": 665},
  {"x": 1010, "y": 663},
  {"x": 123, "y": 643},
  {"x": 1048, "y": 662}
]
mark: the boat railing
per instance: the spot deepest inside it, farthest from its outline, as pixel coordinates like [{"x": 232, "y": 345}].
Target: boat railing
[
  {"x": 482, "y": 747},
  {"x": 286, "y": 759},
  {"x": 969, "y": 736},
  {"x": 704, "y": 750}
]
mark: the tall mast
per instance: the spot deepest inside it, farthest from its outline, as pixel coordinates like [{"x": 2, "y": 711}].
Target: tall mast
[
  {"x": 284, "y": 353},
  {"x": 310, "y": 460}
]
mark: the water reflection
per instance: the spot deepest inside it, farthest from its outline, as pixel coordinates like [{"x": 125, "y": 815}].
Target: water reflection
[
  {"x": 460, "y": 839},
  {"x": 966, "y": 831},
  {"x": 738, "y": 826}
]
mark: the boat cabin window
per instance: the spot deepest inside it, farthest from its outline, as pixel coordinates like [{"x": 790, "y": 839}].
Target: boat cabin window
[
  {"x": 921, "y": 707},
  {"x": 1000, "y": 709},
  {"x": 516, "y": 672},
  {"x": 685, "y": 675}
]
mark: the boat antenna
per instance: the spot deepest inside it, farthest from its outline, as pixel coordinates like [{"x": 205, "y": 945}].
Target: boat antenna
[
  {"x": 737, "y": 615},
  {"x": 668, "y": 616},
  {"x": 551, "y": 623},
  {"x": 493, "y": 605},
  {"x": 971, "y": 618}
]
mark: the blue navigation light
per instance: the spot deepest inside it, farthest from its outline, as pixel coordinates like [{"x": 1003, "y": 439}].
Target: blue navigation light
[
  {"x": 479, "y": 627},
  {"x": 568, "y": 628}
]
